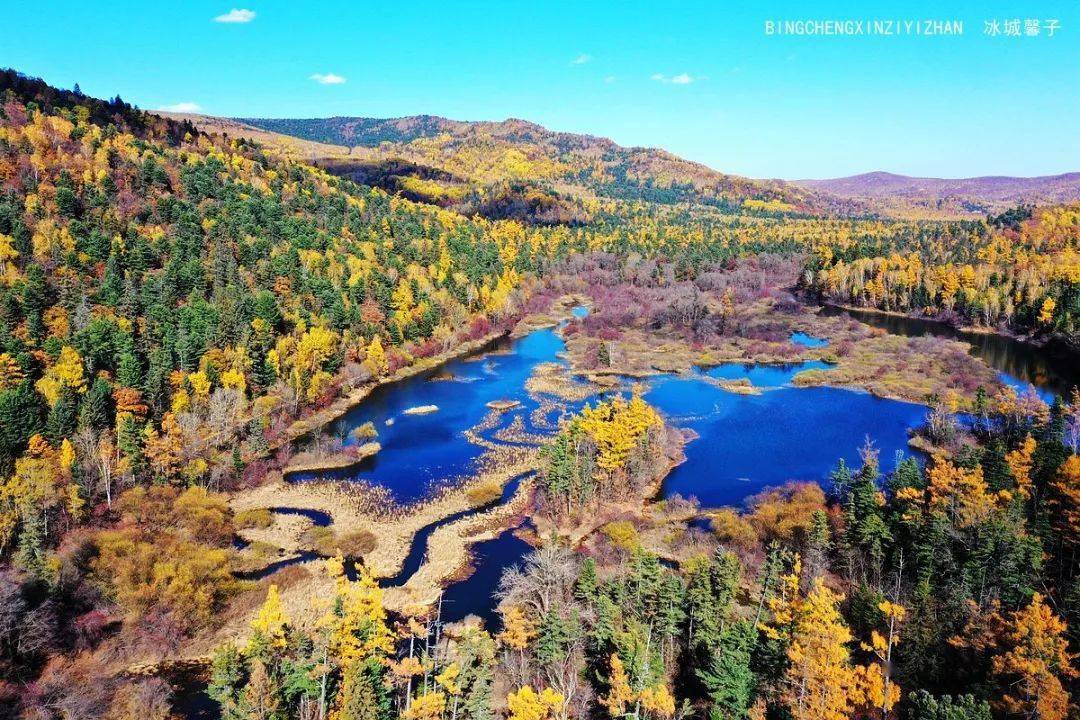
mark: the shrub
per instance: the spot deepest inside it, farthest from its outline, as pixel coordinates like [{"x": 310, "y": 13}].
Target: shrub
[
  {"x": 622, "y": 534},
  {"x": 253, "y": 518},
  {"x": 367, "y": 431}
]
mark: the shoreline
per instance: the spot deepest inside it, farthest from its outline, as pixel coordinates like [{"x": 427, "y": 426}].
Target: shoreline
[
  {"x": 1033, "y": 341},
  {"x": 335, "y": 461},
  {"x": 345, "y": 403}
]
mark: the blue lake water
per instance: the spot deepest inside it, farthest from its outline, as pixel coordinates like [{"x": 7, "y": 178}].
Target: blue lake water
[
  {"x": 474, "y": 595},
  {"x": 421, "y": 452},
  {"x": 748, "y": 442},
  {"x": 762, "y": 376},
  {"x": 808, "y": 340},
  {"x": 744, "y": 443}
]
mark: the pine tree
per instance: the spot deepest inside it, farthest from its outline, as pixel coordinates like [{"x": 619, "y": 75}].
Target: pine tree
[
  {"x": 587, "y": 583},
  {"x": 363, "y": 694},
  {"x": 95, "y": 412},
  {"x": 63, "y": 417},
  {"x": 728, "y": 679},
  {"x": 924, "y": 706},
  {"x": 227, "y": 678}
]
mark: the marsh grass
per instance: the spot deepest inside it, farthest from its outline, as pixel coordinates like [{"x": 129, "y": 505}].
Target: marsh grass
[{"x": 253, "y": 518}]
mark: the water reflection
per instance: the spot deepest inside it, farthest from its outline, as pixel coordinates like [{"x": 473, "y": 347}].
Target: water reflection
[{"x": 1052, "y": 371}]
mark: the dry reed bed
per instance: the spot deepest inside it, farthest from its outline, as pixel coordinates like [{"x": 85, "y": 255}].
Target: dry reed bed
[
  {"x": 552, "y": 378},
  {"x": 448, "y": 550},
  {"x": 284, "y": 534},
  {"x": 355, "y": 507},
  {"x": 313, "y": 462},
  {"x": 862, "y": 357},
  {"x": 515, "y": 432}
]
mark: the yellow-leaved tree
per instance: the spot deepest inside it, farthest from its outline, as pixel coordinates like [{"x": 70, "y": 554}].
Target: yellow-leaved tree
[
  {"x": 359, "y": 641},
  {"x": 376, "y": 360},
  {"x": 66, "y": 374},
  {"x": 271, "y": 624},
  {"x": 820, "y": 683},
  {"x": 879, "y": 687},
  {"x": 527, "y": 704},
  {"x": 1035, "y": 662}
]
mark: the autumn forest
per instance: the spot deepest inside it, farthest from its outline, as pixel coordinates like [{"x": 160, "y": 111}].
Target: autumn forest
[{"x": 433, "y": 420}]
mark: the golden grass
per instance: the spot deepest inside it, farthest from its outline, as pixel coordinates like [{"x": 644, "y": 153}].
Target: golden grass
[
  {"x": 313, "y": 462},
  {"x": 484, "y": 491},
  {"x": 253, "y": 518},
  {"x": 448, "y": 550}
]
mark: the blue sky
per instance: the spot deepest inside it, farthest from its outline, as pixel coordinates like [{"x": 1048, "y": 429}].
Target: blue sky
[{"x": 699, "y": 79}]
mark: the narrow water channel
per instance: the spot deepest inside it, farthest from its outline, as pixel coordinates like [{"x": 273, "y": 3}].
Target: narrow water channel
[{"x": 744, "y": 441}]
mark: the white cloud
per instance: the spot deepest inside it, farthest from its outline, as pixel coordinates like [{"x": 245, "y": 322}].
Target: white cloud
[
  {"x": 328, "y": 79},
  {"x": 609, "y": 79},
  {"x": 581, "y": 59},
  {"x": 182, "y": 107},
  {"x": 236, "y": 16},
  {"x": 680, "y": 79}
]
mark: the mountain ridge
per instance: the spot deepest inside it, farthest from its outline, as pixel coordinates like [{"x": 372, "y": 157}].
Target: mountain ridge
[
  {"x": 517, "y": 150},
  {"x": 975, "y": 195},
  {"x": 431, "y": 158}
]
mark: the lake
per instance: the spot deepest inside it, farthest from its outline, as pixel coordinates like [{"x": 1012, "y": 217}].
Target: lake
[{"x": 744, "y": 442}]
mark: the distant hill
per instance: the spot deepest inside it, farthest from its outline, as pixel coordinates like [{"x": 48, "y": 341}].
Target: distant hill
[
  {"x": 975, "y": 196},
  {"x": 516, "y": 168},
  {"x": 436, "y": 153}
]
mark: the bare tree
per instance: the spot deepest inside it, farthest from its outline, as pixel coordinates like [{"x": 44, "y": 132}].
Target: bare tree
[
  {"x": 546, "y": 579},
  {"x": 101, "y": 455}
]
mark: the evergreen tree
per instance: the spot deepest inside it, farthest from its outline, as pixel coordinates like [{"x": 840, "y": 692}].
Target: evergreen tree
[
  {"x": 95, "y": 412},
  {"x": 728, "y": 680},
  {"x": 924, "y": 706},
  {"x": 364, "y": 695},
  {"x": 63, "y": 417},
  {"x": 21, "y": 416}
]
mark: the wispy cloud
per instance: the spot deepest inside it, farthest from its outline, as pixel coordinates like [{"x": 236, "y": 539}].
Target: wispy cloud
[
  {"x": 680, "y": 79},
  {"x": 581, "y": 59},
  {"x": 328, "y": 79},
  {"x": 236, "y": 16},
  {"x": 184, "y": 107},
  {"x": 609, "y": 79}
]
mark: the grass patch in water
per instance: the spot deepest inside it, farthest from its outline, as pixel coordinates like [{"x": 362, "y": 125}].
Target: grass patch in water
[
  {"x": 486, "y": 491},
  {"x": 253, "y": 518}
]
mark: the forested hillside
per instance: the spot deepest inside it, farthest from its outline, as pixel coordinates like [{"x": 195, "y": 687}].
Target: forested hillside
[
  {"x": 1014, "y": 270},
  {"x": 517, "y": 151},
  {"x": 1019, "y": 271}
]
